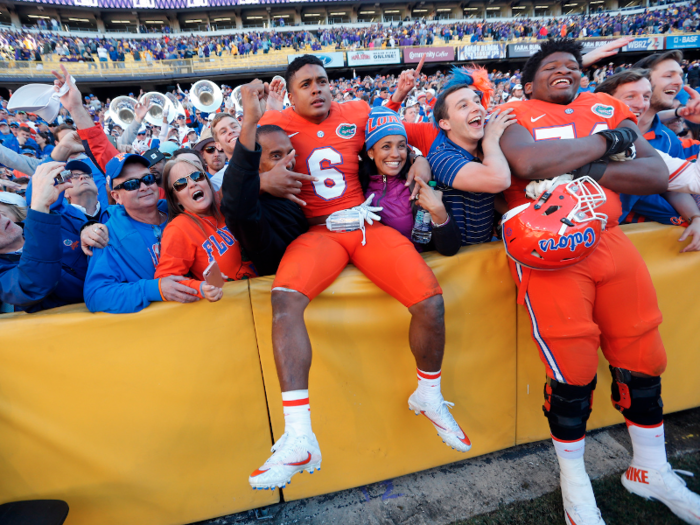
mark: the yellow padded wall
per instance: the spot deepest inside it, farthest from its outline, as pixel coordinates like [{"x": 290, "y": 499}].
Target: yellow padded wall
[
  {"x": 363, "y": 372},
  {"x": 145, "y": 418},
  {"x": 675, "y": 277}
]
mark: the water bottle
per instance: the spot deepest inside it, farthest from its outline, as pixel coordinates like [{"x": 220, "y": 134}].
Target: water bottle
[{"x": 422, "y": 225}]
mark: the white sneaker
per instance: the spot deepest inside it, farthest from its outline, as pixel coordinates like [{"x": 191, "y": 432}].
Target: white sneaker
[
  {"x": 665, "y": 486},
  {"x": 439, "y": 415},
  {"x": 579, "y": 503},
  {"x": 291, "y": 454}
]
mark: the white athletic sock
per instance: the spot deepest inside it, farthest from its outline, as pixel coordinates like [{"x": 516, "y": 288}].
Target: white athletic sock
[
  {"x": 297, "y": 412},
  {"x": 575, "y": 484},
  {"x": 429, "y": 384},
  {"x": 569, "y": 449},
  {"x": 648, "y": 446}
]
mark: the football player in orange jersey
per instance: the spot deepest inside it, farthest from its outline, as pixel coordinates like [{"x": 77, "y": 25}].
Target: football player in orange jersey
[
  {"x": 327, "y": 138},
  {"x": 606, "y": 300}
]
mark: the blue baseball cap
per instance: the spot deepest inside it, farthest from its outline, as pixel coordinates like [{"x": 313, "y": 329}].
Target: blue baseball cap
[
  {"x": 3, "y": 122},
  {"x": 382, "y": 122},
  {"x": 114, "y": 167},
  {"x": 79, "y": 165},
  {"x": 14, "y": 125},
  {"x": 28, "y": 151}
]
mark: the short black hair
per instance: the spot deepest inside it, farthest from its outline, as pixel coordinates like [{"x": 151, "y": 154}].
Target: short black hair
[
  {"x": 551, "y": 46},
  {"x": 298, "y": 63},
  {"x": 267, "y": 129},
  {"x": 652, "y": 61}
]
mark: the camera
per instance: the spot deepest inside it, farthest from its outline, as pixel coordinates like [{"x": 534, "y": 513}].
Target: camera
[{"x": 64, "y": 176}]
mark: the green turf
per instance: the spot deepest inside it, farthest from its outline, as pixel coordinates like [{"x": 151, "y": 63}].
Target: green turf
[{"x": 618, "y": 506}]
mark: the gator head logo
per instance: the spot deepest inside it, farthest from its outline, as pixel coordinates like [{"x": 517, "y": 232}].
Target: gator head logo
[
  {"x": 346, "y": 131},
  {"x": 603, "y": 111},
  {"x": 325, "y": 59}
]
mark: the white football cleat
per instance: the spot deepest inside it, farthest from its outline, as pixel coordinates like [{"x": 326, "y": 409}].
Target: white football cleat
[
  {"x": 291, "y": 454},
  {"x": 665, "y": 486},
  {"x": 438, "y": 414},
  {"x": 579, "y": 503}
]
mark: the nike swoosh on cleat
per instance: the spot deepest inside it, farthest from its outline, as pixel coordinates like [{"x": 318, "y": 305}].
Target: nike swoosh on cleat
[
  {"x": 290, "y": 136},
  {"x": 570, "y": 519},
  {"x": 538, "y": 118},
  {"x": 258, "y": 472},
  {"x": 307, "y": 460},
  {"x": 466, "y": 439},
  {"x": 433, "y": 422}
]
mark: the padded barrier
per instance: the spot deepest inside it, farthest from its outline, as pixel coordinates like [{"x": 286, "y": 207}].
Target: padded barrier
[
  {"x": 675, "y": 277},
  {"x": 159, "y": 417},
  {"x": 146, "y": 418},
  {"x": 363, "y": 372}
]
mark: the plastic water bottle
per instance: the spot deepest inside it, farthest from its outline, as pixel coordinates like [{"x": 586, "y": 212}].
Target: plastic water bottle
[{"x": 422, "y": 225}]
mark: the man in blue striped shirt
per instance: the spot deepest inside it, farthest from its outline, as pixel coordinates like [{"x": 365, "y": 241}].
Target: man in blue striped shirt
[{"x": 466, "y": 157}]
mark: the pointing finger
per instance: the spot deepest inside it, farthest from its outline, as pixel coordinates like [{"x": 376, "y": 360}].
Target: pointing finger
[{"x": 420, "y": 66}]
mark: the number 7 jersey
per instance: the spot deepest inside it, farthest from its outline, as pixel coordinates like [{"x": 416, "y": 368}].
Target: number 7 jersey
[
  {"x": 328, "y": 151},
  {"x": 587, "y": 114}
]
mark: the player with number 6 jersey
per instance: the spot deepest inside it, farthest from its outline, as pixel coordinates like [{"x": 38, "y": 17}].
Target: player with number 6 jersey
[
  {"x": 328, "y": 138},
  {"x": 327, "y": 151}
]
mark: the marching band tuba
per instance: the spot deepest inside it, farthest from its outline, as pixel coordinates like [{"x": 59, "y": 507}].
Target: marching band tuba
[
  {"x": 159, "y": 105},
  {"x": 122, "y": 110},
  {"x": 206, "y": 96}
]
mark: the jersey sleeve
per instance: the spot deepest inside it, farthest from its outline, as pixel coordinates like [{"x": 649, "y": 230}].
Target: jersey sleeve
[
  {"x": 177, "y": 255},
  {"x": 421, "y": 135},
  {"x": 691, "y": 148},
  {"x": 272, "y": 116}
]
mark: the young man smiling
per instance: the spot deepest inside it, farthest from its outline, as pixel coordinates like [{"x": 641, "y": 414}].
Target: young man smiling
[
  {"x": 606, "y": 300},
  {"x": 327, "y": 138}
]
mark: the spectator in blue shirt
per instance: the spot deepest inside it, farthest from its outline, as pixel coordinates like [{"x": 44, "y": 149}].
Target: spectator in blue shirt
[
  {"x": 31, "y": 261},
  {"x": 120, "y": 277},
  {"x": 22, "y": 140},
  {"x": 469, "y": 176}
]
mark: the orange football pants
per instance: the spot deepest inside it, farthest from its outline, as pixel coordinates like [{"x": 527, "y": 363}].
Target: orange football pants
[
  {"x": 314, "y": 260},
  {"x": 607, "y": 301}
]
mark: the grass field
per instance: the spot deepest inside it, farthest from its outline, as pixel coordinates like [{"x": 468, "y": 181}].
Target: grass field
[{"x": 618, "y": 506}]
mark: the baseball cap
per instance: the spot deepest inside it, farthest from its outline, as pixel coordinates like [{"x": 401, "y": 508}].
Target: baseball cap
[
  {"x": 78, "y": 165},
  {"x": 28, "y": 151},
  {"x": 14, "y": 125},
  {"x": 154, "y": 156},
  {"x": 518, "y": 86},
  {"x": 167, "y": 148},
  {"x": 115, "y": 166},
  {"x": 3, "y": 122},
  {"x": 12, "y": 198}
]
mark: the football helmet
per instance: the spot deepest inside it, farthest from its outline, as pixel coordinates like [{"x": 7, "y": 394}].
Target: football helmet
[{"x": 559, "y": 229}]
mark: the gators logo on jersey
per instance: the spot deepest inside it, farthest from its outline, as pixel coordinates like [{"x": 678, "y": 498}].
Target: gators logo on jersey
[
  {"x": 346, "y": 131},
  {"x": 603, "y": 111}
]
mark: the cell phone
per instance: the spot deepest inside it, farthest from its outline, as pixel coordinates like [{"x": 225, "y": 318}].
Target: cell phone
[
  {"x": 212, "y": 275},
  {"x": 64, "y": 176}
]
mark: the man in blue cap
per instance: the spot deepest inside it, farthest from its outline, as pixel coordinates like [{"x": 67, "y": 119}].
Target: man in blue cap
[
  {"x": 120, "y": 275},
  {"x": 5, "y": 133}
]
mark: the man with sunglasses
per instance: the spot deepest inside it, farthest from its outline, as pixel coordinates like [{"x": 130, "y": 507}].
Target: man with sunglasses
[
  {"x": 120, "y": 277},
  {"x": 214, "y": 156}
]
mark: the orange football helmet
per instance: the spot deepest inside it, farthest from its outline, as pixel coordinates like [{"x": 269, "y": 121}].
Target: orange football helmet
[{"x": 558, "y": 230}]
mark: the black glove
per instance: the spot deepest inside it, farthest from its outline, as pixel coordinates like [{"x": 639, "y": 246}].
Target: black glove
[
  {"x": 594, "y": 170},
  {"x": 619, "y": 140}
]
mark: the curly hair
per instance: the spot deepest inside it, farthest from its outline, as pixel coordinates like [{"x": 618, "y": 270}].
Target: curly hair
[{"x": 551, "y": 46}]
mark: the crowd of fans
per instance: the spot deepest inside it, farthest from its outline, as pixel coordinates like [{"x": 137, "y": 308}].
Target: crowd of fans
[
  {"x": 98, "y": 148},
  {"x": 24, "y": 45}
]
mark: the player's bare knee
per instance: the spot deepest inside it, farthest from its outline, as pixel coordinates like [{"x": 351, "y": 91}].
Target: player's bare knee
[
  {"x": 431, "y": 310},
  {"x": 287, "y": 303}
]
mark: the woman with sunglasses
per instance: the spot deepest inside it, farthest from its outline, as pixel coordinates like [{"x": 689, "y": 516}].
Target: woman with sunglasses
[{"x": 197, "y": 234}]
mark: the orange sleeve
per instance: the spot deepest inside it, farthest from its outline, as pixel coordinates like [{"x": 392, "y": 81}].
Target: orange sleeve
[
  {"x": 100, "y": 146},
  {"x": 421, "y": 135},
  {"x": 177, "y": 253}
]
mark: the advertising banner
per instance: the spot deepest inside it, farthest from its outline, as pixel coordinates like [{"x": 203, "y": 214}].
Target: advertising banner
[
  {"x": 522, "y": 50},
  {"x": 481, "y": 52},
  {"x": 590, "y": 45},
  {"x": 652, "y": 43},
  {"x": 413, "y": 55},
  {"x": 374, "y": 57},
  {"x": 328, "y": 59},
  {"x": 682, "y": 42}
]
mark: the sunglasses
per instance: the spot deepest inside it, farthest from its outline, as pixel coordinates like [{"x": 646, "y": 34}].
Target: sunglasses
[
  {"x": 181, "y": 183},
  {"x": 212, "y": 149},
  {"x": 135, "y": 184}
]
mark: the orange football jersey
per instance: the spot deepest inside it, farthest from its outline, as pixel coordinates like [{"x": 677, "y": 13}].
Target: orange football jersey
[
  {"x": 328, "y": 151},
  {"x": 589, "y": 113}
]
